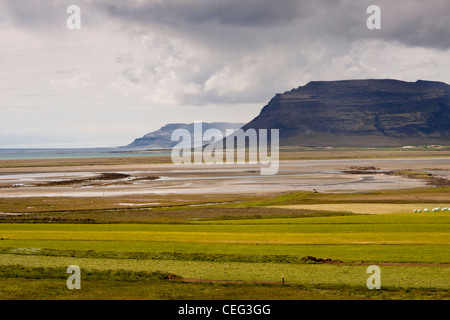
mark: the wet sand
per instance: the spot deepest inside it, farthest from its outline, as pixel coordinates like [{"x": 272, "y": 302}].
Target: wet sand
[{"x": 303, "y": 175}]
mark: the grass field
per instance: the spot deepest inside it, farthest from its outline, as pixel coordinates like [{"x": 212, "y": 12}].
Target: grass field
[
  {"x": 48, "y": 283},
  {"x": 238, "y": 248},
  {"x": 298, "y": 274},
  {"x": 412, "y": 250}
]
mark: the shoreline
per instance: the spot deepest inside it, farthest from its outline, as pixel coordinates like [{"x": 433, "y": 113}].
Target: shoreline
[{"x": 286, "y": 155}]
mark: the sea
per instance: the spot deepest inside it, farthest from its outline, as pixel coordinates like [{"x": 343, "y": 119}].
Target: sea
[{"x": 75, "y": 153}]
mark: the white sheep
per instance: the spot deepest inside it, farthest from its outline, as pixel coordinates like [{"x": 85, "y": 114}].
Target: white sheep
[
  {"x": 426, "y": 210},
  {"x": 436, "y": 209}
]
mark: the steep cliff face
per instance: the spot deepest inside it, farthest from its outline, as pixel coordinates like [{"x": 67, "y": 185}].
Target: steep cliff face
[{"x": 359, "y": 113}]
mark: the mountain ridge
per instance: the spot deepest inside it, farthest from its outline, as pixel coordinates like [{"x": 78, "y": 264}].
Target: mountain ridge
[
  {"x": 161, "y": 138},
  {"x": 366, "y": 112}
]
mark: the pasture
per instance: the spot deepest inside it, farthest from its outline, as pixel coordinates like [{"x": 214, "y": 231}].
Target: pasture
[
  {"x": 411, "y": 249},
  {"x": 232, "y": 246}
]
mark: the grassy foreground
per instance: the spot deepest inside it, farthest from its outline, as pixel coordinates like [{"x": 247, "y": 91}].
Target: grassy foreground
[
  {"x": 239, "y": 248},
  {"x": 128, "y": 288},
  {"x": 247, "y": 256}
]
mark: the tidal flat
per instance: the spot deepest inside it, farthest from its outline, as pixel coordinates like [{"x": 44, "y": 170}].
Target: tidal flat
[{"x": 141, "y": 179}]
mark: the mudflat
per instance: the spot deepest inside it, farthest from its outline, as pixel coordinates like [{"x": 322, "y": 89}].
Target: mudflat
[{"x": 135, "y": 179}]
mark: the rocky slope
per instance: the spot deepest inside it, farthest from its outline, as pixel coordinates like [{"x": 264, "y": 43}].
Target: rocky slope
[{"x": 360, "y": 113}]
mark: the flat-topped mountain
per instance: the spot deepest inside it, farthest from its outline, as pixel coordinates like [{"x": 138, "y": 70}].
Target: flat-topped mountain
[
  {"x": 161, "y": 139},
  {"x": 359, "y": 113}
]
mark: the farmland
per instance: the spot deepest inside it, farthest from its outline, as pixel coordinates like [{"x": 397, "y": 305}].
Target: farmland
[
  {"x": 228, "y": 246},
  {"x": 411, "y": 249}
]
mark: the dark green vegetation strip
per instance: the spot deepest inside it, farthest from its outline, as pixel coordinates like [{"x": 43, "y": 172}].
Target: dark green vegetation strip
[
  {"x": 19, "y": 271},
  {"x": 175, "y": 215},
  {"x": 168, "y": 256},
  {"x": 41, "y": 289},
  {"x": 175, "y": 209}
]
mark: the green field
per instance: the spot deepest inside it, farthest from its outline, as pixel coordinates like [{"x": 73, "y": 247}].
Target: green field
[
  {"x": 320, "y": 243},
  {"x": 298, "y": 274},
  {"x": 416, "y": 238},
  {"x": 412, "y": 250}
]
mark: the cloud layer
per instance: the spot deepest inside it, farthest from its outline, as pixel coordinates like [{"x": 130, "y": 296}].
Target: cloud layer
[{"x": 137, "y": 65}]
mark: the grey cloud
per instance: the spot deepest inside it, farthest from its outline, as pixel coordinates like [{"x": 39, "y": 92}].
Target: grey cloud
[
  {"x": 181, "y": 53},
  {"x": 411, "y": 22},
  {"x": 418, "y": 23},
  {"x": 237, "y": 22},
  {"x": 227, "y": 12},
  {"x": 34, "y": 14},
  {"x": 242, "y": 35},
  {"x": 133, "y": 75},
  {"x": 124, "y": 58},
  {"x": 44, "y": 15}
]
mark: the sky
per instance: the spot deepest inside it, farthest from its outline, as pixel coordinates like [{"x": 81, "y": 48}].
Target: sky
[{"x": 137, "y": 65}]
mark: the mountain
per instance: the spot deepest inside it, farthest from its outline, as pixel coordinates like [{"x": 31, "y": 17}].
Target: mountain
[
  {"x": 161, "y": 139},
  {"x": 359, "y": 113}
]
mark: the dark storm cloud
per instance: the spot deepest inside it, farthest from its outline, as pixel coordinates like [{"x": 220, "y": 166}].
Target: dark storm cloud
[
  {"x": 418, "y": 23},
  {"x": 411, "y": 22},
  {"x": 229, "y": 12},
  {"x": 147, "y": 61}
]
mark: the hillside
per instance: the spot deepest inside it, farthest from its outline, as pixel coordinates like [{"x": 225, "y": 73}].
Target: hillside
[
  {"x": 161, "y": 139},
  {"x": 359, "y": 113}
]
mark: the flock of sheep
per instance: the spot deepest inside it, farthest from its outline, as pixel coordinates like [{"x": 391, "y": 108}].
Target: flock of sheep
[{"x": 432, "y": 210}]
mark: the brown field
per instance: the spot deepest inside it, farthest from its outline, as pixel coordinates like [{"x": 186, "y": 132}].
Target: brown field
[{"x": 369, "y": 208}]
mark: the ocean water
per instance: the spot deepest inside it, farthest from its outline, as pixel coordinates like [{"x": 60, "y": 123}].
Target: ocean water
[{"x": 24, "y": 154}]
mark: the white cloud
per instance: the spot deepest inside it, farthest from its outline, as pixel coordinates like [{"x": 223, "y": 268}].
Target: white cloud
[{"x": 137, "y": 65}]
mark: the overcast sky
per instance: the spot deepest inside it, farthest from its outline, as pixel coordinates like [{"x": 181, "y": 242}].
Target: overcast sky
[{"x": 135, "y": 66}]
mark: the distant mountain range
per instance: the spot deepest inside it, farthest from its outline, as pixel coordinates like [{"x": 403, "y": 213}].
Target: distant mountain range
[
  {"x": 161, "y": 139},
  {"x": 359, "y": 113},
  {"x": 347, "y": 113}
]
